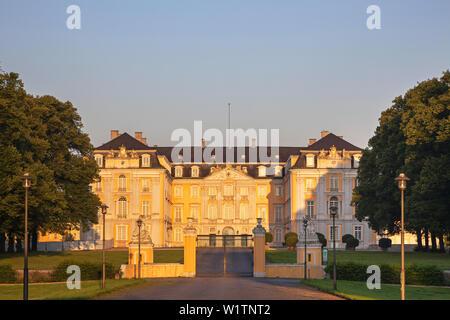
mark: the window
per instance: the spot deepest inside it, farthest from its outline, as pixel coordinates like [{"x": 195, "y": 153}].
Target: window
[
  {"x": 122, "y": 232},
  {"x": 178, "y": 214},
  {"x": 194, "y": 192},
  {"x": 212, "y": 212},
  {"x": 278, "y": 191},
  {"x": 310, "y": 208},
  {"x": 243, "y": 191},
  {"x": 310, "y": 160},
  {"x": 146, "y": 160},
  {"x": 243, "y": 210},
  {"x": 228, "y": 190},
  {"x": 228, "y": 212},
  {"x": 337, "y": 233},
  {"x": 309, "y": 182},
  {"x": 145, "y": 185},
  {"x": 98, "y": 185},
  {"x": 211, "y": 191},
  {"x": 122, "y": 208},
  {"x": 178, "y": 190},
  {"x": 122, "y": 183},
  {"x": 262, "y": 213},
  {"x": 261, "y": 171},
  {"x": 99, "y": 160},
  {"x": 262, "y": 191},
  {"x": 334, "y": 202},
  {"x": 278, "y": 171},
  {"x": 195, "y": 212},
  {"x": 334, "y": 183},
  {"x": 178, "y": 233},
  {"x": 278, "y": 235},
  {"x": 278, "y": 214},
  {"x": 178, "y": 171},
  {"x": 194, "y": 172},
  {"x": 357, "y": 232},
  {"x": 146, "y": 208}
]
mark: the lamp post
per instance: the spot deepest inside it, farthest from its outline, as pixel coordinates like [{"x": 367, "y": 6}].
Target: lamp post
[
  {"x": 305, "y": 226},
  {"x": 333, "y": 211},
  {"x": 139, "y": 224},
  {"x": 26, "y": 184},
  {"x": 402, "y": 178},
  {"x": 104, "y": 210}
]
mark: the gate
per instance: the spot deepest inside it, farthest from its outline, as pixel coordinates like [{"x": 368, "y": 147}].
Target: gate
[{"x": 224, "y": 255}]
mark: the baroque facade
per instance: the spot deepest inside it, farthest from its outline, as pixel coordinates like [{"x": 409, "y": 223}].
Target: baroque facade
[{"x": 138, "y": 180}]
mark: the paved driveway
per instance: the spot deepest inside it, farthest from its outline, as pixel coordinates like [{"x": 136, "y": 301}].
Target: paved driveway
[{"x": 225, "y": 288}]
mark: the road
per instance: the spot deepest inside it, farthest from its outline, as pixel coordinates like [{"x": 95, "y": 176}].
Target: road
[{"x": 223, "y": 288}]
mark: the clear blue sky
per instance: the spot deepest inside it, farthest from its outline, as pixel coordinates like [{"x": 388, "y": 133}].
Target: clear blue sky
[{"x": 154, "y": 66}]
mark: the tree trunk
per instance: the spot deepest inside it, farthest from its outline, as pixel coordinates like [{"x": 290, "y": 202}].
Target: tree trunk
[
  {"x": 427, "y": 245},
  {"x": 19, "y": 245},
  {"x": 2, "y": 242},
  {"x": 34, "y": 240},
  {"x": 10, "y": 243},
  {"x": 433, "y": 242},
  {"x": 419, "y": 239},
  {"x": 441, "y": 243}
]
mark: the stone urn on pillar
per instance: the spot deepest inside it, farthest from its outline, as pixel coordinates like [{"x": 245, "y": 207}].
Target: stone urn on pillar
[{"x": 259, "y": 252}]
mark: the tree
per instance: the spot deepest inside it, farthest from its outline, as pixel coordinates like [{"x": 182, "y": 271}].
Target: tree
[
  {"x": 291, "y": 239},
  {"x": 269, "y": 237},
  {"x": 322, "y": 239}
]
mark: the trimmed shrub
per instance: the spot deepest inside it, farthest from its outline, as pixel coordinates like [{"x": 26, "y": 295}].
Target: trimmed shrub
[
  {"x": 346, "y": 237},
  {"x": 390, "y": 274},
  {"x": 89, "y": 271},
  {"x": 350, "y": 241},
  {"x": 7, "y": 274},
  {"x": 269, "y": 237},
  {"x": 385, "y": 243},
  {"x": 291, "y": 239},
  {"x": 322, "y": 239}
]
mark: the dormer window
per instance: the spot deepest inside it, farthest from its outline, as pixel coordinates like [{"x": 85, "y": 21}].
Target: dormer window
[
  {"x": 310, "y": 161},
  {"x": 146, "y": 160},
  {"x": 178, "y": 171},
  {"x": 278, "y": 171},
  {"x": 194, "y": 172},
  {"x": 262, "y": 171},
  {"x": 99, "y": 160}
]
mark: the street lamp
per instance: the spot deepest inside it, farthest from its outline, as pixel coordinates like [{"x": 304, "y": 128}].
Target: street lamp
[
  {"x": 333, "y": 212},
  {"x": 305, "y": 226},
  {"x": 139, "y": 224},
  {"x": 26, "y": 184},
  {"x": 104, "y": 210},
  {"x": 402, "y": 178}
]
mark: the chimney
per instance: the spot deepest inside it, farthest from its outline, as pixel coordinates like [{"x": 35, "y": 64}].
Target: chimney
[
  {"x": 203, "y": 143},
  {"x": 253, "y": 143},
  {"x": 311, "y": 141},
  {"x": 114, "y": 134},
  {"x": 138, "y": 135},
  {"x": 341, "y": 137},
  {"x": 324, "y": 133},
  {"x": 144, "y": 141}
]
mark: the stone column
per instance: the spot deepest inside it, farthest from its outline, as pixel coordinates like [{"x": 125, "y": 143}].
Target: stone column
[
  {"x": 190, "y": 251},
  {"x": 259, "y": 252}
]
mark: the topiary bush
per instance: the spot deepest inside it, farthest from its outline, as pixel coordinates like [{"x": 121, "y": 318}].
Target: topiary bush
[
  {"x": 269, "y": 237},
  {"x": 322, "y": 239},
  {"x": 291, "y": 239},
  {"x": 350, "y": 241},
  {"x": 346, "y": 237},
  {"x": 7, "y": 274},
  {"x": 89, "y": 271},
  {"x": 385, "y": 243}
]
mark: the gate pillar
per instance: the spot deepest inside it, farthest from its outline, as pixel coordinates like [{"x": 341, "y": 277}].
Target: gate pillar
[
  {"x": 190, "y": 234},
  {"x": 259, "y": 251}
]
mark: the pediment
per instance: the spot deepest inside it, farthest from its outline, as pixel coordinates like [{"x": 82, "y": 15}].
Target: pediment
[{"x": 228, "y": 173}]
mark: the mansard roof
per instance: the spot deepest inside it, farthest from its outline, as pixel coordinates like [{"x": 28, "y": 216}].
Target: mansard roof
[
  {"x": 126, "y": 140},
  {"x": 332, "y": 140}
]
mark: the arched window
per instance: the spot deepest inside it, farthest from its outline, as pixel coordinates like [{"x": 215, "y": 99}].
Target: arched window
[
  {"x": 122, "y": 208},
  {"x": 122, "y": 183},
  {"x": 334, "y": 202}
]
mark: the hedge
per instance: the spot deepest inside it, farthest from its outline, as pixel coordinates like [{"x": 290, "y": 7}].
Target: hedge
[
  {"x": 7, "y": 274},
  {"x": 89, "y": 271},
  {"x": 390, "y": 274}
]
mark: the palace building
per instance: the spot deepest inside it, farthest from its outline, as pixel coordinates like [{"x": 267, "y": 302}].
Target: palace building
[{"x": 142, "y": 181}]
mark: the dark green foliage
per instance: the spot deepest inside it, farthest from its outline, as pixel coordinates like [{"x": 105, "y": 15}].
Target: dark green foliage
[
  {"x": 390, "y": 274},
  {"x": 89, "y": 271},
  {"x": 269, "y": 237},
  {"x": 291, "y": 239},
  {"x": 385, "y": 243},
  {"x": 7, "y": 274},
  {"x": 347, "y": 237},
  {"x": 322, "y": 239}
]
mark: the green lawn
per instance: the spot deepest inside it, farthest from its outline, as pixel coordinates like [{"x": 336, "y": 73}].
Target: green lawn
[
  {"x": 441, "y": 260},
  {"x": 358, "y": 291},
  {"x": 59, "y": 291},
  {"x": 49, "y": 260}
]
